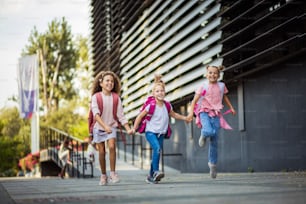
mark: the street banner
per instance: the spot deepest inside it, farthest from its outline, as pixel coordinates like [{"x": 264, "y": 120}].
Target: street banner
[{"x": 27, "y": 77}]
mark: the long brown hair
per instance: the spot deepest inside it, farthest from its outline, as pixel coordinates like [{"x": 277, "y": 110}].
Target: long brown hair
[{"x": 99, "y": 78}]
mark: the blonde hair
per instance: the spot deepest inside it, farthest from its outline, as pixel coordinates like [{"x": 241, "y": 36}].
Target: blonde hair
[
  {"x": 158, "y": 82},
  {"x": 99, "y": 78},
  {"x": 219, "y": 68}
]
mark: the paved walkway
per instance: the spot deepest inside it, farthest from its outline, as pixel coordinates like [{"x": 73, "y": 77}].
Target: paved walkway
[{"x": 230, "y": 188}]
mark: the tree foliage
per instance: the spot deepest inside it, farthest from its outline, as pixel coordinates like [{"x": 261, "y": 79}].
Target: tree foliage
[
  {"x": 10, "y": 122},
  {"x": 58, "y": 56},
  {"x": 68, "y": 120},
  {"x": 14, "y": 140},
  {"x": 64, "y": 89}
]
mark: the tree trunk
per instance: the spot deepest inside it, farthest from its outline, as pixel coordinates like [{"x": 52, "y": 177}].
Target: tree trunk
[{"x": 44, "y": 71}]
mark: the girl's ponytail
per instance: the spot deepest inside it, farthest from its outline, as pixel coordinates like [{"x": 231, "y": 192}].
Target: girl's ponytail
[{"x": 158, "y": 81}]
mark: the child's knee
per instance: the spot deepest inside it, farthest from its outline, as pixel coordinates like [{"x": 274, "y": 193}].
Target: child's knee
[
  {"x": 157, "y": 149},
  {"x": 102, "y": 152},
  {"x": 112, "y": 148},
  {"x": 208, "y": 133}
]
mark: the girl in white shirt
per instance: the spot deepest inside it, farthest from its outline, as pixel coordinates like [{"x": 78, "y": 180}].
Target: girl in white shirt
[{"x": 156, "y": 127}]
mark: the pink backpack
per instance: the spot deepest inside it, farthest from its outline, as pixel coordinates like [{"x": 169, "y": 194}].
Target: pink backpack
[{"x": 151, "y": 100}]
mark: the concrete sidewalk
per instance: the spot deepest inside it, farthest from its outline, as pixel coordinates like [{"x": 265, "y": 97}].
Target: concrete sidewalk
[{"x": 231, "y": 188}]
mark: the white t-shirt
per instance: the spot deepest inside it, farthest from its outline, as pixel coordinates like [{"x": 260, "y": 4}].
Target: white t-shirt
[{"x": 159, "y": 120}]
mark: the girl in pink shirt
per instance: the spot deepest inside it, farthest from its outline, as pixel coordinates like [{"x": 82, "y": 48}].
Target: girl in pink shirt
[
  {"x": 210, "y": 113},
  {"x": 107, "y": 84}
]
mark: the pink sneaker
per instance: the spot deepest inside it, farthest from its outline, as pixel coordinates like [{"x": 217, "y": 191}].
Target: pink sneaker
[
  {"x": 114, "y": 178},
  {"x": 103, "y": 180}
]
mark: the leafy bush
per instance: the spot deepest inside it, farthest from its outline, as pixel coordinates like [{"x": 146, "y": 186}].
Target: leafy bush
[{"x": 67, "y": 121}]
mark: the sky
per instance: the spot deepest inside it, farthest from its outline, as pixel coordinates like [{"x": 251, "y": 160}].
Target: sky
[{"x": 17, "y": 20}]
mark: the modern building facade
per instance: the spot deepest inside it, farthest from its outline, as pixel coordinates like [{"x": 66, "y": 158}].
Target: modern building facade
[{"x": 261, "y": 44}]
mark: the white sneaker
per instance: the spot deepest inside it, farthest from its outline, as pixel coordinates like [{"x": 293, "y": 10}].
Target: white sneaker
[
  {"x": 158, "y": 175},
  {"x": 213, "y": 170},
  {"x": 103, "y": 180},
  {"x": 202, "y": 141},
  {"x": 150, "y": 180},
  {"x": 114, "y": 178}
]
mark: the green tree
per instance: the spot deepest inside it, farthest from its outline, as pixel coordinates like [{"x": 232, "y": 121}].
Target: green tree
[
  {"x": 14, "y": 140},
  {"x": 10, "y": 122},
  {"x": 82, "y": 81},
  {"x": 71, "y": 117},
  {"x": 58, "y": 56}
]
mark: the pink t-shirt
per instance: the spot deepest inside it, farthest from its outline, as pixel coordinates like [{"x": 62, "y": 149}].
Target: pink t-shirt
[{"x": 212, "y": 99}]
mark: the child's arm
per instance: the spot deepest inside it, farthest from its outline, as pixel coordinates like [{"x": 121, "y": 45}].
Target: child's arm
[
  {"x": 178, "y": 116},
  {"x": 128, "y": 129},
  {"x": 228, "y": 103},
  {"x": 107, "y": 128},
  {"x": 193, "y": 102},
  {"x": 139, "y": 118}
]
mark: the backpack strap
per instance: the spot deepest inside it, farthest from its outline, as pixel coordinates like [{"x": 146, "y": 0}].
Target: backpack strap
[
  {"x": 221, "y": 86},
  {"x": 115, "y": 105},
  {"x": 205, "y": 87},
  {"x": 206, "y": 84},
  {"x": 151, "y": 109},
  {"x": 169, "y": 131},
  {"x": 168, "y": 106},
  {"x": 115, "y": 108},
  {"x": 91, "y": 117},
  {"x": 100, "y": 102}
]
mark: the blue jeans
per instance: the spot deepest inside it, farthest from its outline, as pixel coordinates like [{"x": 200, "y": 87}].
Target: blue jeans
[
  {"x": 210, "y": 128},
  {"x": 156, "y": 143}
]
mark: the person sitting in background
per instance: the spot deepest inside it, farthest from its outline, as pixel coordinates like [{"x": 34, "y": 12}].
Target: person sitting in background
[
  {"x": 91, "y": 149},
  {"x": 64, "y": 156}
]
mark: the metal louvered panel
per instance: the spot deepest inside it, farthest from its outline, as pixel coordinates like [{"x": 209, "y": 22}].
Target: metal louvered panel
[
  {"x": 145, "y": 20},
  {"x": 152, "y": 42},
  {"x": 177, "y": 49},
  {"x": 111, "y": 18},
  {"x": 182, "y": 50},
  {"x": 179, "y": 73},
  {"x": 264, "y": 34}
]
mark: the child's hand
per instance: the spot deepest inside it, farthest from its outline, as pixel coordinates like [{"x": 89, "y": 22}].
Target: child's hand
[
  {"x": 131, "y": 131},
  {"x": 233, "y": 111},
  {"x": 189, "y": 117},
  {"x": 187, "y": 120},
  {"x": 108, "y": 129}
]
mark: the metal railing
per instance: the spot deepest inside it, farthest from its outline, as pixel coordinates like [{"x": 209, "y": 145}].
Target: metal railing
[
  {"x": 50, "y": 141},
  {"x": 133, "y": 147},
  {"x": 136, "y": 146}
]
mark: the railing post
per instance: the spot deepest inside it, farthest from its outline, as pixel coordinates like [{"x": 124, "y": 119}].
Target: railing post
[
  {"x": 162, "y": 157},
  {"x": 133, "y": 150},
  {"x": 118, "y": 145},
  {"x": 77, "y": 154},
  {"x": 141, "y": 153},
  {"x": 124, "y": 147},
  {"x": 83, "y": 158}
]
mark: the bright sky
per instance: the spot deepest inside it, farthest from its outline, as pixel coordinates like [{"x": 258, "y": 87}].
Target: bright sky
[{"x": 17, "y": 20}]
